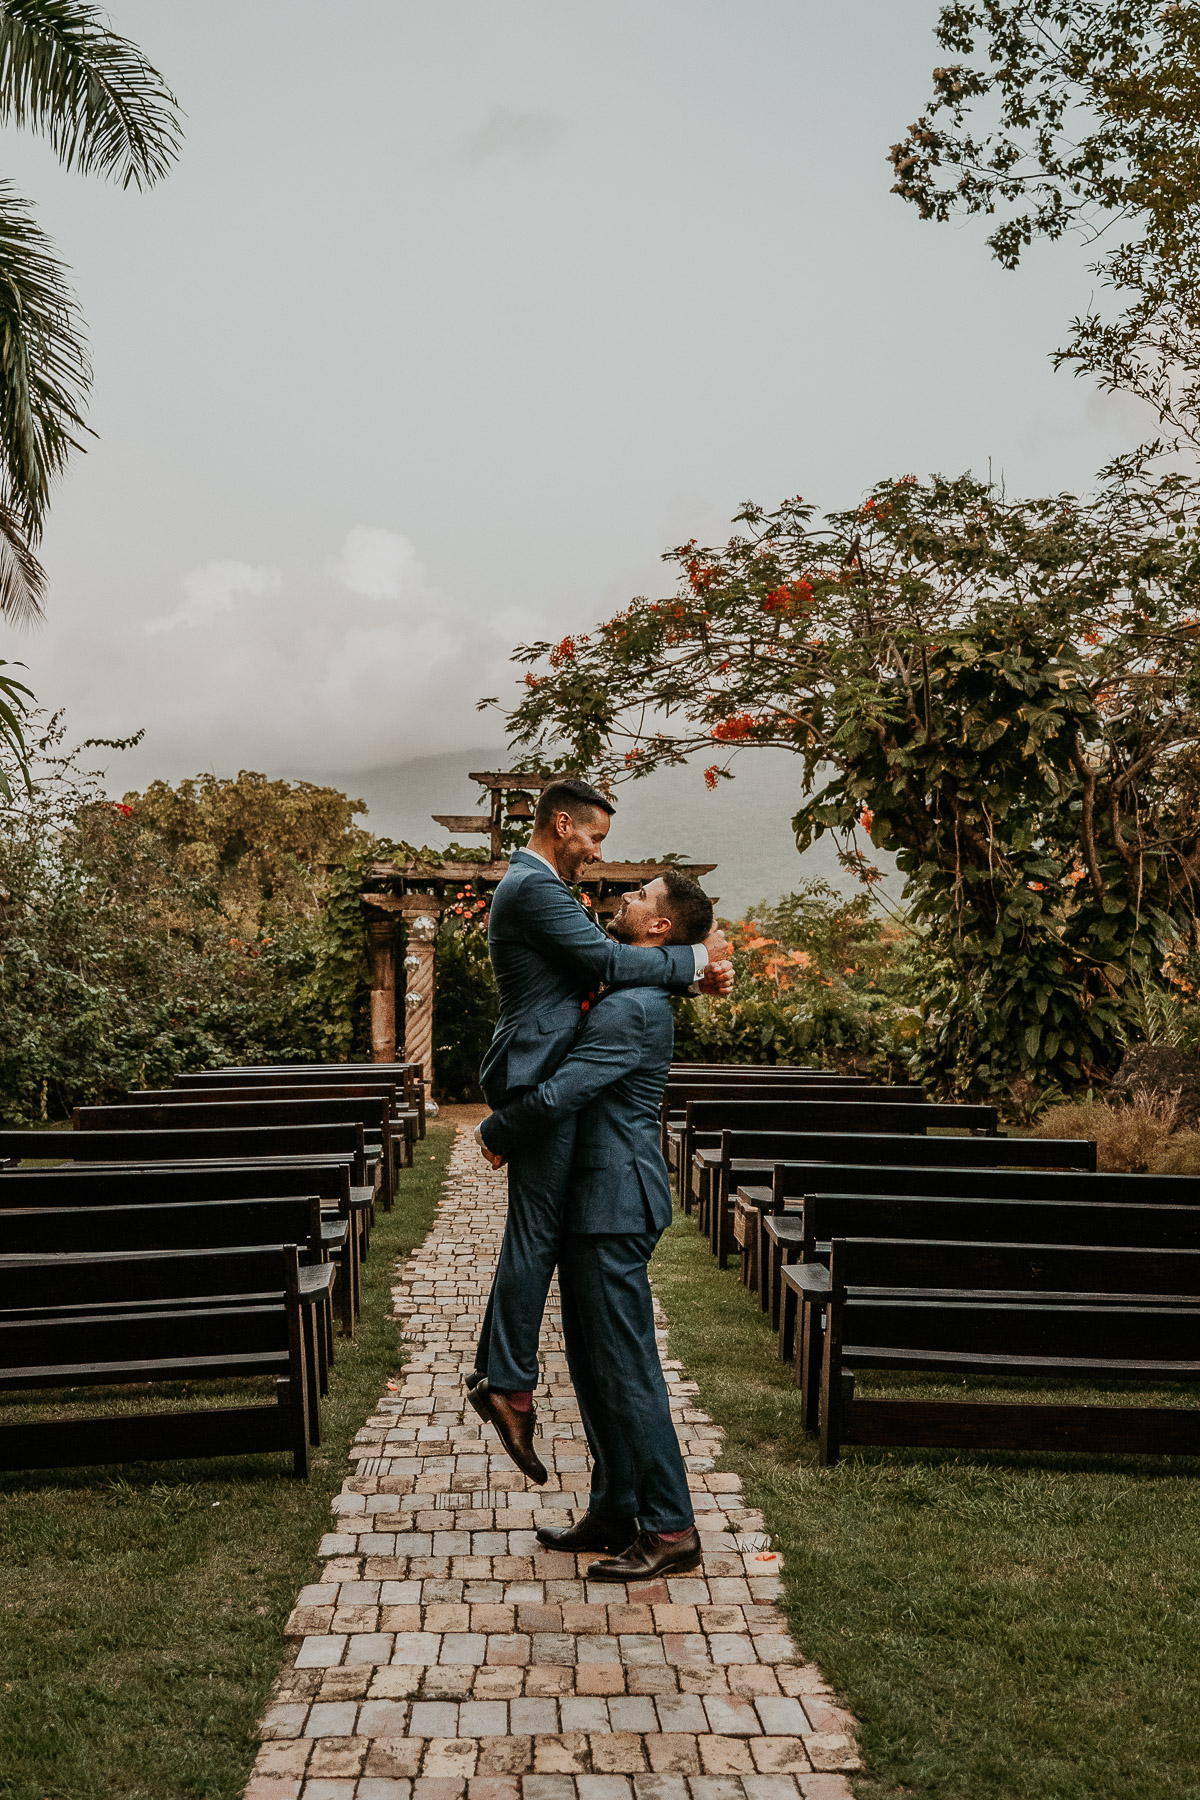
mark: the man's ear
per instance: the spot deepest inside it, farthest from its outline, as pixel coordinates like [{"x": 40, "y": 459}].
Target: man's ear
[{"x": 661, "y": 928}]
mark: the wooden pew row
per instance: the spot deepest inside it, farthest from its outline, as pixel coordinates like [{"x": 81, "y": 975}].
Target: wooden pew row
[
  {"x": 122, "y": 1230},
  {"x": 246, "y": 1320},
  {"x": 185, "y": 1115},
  {"x": 67, "y": 1285},
  {"x": 1061, "y": 1175},
  {"x": 1092, "y": 1315},
  {"x": 712, "y": 1188},
  {"x": 887, "y": 1111},
  {"x": 1166, "y": 1224},
  {"x": 678, "y": 1094},
  {"x": 401, "y": 1120},
  {"x": 83, "y": 1187},
  {"x": 409, "y": 1075}
]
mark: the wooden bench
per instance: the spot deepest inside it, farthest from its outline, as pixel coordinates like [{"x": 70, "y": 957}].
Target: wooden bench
[
  {"x": 1064, "y": 1163},
  {"x": 230, "y": 1335},
  {"x": 208, "y": 1145},
  {"x": 788, "y": 1162},
  {"x": 249, "y": 1115},
  {"x": 714, "y": 1191},
  {"x": 1095, "y": 1315},
  {"x": 69, "y": 1284},
  {"x": 772, "y": 1085},
  {"x": 1173, "y": 1224},
  {"x": 871, "y": 1109},
  {"x": 410, "y": 1075},
  {"x": 199, "y": 1225},
  {"x": 403, "y": 1119},
  {"x": 83, "y": 1187}
]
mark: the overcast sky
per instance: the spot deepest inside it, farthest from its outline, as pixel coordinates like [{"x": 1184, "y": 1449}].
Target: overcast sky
[{"x": 456, "y": 313}]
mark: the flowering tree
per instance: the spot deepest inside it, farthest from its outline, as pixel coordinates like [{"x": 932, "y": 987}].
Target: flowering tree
[{"x": 1004, "y": 693}]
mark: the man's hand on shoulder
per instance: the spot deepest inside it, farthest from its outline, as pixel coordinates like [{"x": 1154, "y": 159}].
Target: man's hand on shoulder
[{"x": 718, "y": 975}]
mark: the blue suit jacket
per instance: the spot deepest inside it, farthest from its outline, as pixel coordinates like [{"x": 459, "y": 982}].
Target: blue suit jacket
[
  {"x": 614, "y": 1078},
  {"x": 547, "y": 953}
]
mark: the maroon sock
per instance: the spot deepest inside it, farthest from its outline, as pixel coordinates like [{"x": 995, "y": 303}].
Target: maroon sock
[
  {"x": 673, "y": 1537},
  {"x": 521, "y": 1401}
]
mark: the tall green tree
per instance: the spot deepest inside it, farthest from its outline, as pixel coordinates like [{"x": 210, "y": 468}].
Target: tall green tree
[
  {"x": 1081, "y": 117},
  {"x": 67, "y": 75}
]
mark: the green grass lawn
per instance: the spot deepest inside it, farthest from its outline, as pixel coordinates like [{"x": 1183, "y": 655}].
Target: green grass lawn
[
  {"x": 1002, "y": 1625},
  {"x": 143, "y": 1606}
]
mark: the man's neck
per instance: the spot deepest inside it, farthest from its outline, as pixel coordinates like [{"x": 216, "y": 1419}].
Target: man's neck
[{"x": 545, "y": 847}]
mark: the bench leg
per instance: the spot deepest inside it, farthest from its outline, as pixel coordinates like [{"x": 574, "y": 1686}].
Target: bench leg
[
  {"x": 808, "y": 1364},
  {"x": 787, "y": 1323}
]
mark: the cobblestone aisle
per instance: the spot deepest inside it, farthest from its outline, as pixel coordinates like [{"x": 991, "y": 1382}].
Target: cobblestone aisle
[{"x": 446, "y": 1656}]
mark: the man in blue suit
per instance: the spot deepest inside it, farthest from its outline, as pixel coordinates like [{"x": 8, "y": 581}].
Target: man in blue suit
[
  {"x": 547, "y": 954},
  {"x": 618, "y": 1205}
]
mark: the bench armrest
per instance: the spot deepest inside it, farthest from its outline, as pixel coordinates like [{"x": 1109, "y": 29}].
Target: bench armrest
[
  {"x": 809, "y": 1279},
  {"x": 316, "y": 1281},
  {"x": 333, "y": 1234}
]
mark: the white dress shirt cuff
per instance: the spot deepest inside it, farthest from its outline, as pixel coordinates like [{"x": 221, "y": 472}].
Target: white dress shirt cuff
[{"x": 701, "y": 956}]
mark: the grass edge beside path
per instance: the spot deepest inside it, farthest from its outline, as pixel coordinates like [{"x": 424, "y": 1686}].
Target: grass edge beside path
[
  {"x": 143, "y": 1605},
  {"x": 1003, "y": 1627}
]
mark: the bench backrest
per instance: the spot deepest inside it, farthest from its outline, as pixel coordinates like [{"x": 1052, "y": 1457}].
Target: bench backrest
[
  {"x": 265, "y": 1091},
  {"x": 30, "y": 1283},
  {"x": 978, "y": 1220},
  {"x": 168, "y": 1225},
  {"x": 1147, "y": 1337},
  {"x": 302, "y": 1073},
  {"x": 184, "y": 1115},
  {"x": 793, "y": 1180},
  {"x": 944, "y": 1268},
  {"x": 793, "y": 1154},
  {"x": 169, "y": 1146},
  {"x": 123, "y": 1184},
  {"x": 790, "y": 1112},
  {"x": 677, "y": 1099}
]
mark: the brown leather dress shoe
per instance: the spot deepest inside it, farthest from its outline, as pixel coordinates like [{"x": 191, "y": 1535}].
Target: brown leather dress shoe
[
  {"x": 589, "y": 1533},
  {"x": 649, "y": 1555},
  {"x": 514, "y": 1429}
]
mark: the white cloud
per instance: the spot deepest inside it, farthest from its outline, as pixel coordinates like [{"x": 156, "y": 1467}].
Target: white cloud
[
  {"x": 506, "y": 132},
  {"x": 209, "y": 592},
  {"x": 356, "y": 661},
  {"x": 378, "y": 564}
]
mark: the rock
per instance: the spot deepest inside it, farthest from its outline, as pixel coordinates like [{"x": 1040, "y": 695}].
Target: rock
[{"x": 1164, "y": 1073}]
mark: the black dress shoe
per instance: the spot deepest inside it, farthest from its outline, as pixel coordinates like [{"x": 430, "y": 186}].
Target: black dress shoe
[
  {"x": 650, "y": 1555},
  {"x": 589, "y": 1533},
  {"x": 474, "y": 1378},
  {"x": 514, "y": 1429}
]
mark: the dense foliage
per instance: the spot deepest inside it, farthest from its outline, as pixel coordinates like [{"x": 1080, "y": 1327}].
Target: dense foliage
[
  {"x": 165, "y": 931},
  {"x": 1002, "y": 692},
  {"x": 817, "y": 979}
]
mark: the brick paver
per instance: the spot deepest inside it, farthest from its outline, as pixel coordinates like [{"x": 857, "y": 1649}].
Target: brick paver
[{"x": 445, "y": 1655}]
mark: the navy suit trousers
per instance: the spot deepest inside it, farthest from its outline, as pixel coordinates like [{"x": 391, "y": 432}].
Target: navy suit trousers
[
  {"x": 538, "y": 1176},
  {"x": 608, "y": 1324}
]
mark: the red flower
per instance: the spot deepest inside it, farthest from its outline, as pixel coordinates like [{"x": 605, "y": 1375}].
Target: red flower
[
  {"x": 710, "y": 777},
  {"x": 733, "y": 729},
  {"x": 866, "y": 818},
  {"x": 531, "y": 681},
  {"x": 565, "y": 653},
  {"x": 126, "y": 812}
]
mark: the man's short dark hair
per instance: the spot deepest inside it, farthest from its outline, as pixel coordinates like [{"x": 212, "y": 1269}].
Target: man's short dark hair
[
  {"x": 688, "y": 907},
  {"x": 570, "y": 795}
]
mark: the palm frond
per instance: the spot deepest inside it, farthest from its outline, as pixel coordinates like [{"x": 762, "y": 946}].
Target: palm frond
[
  {"x": 66, "y": 74},
  {"x": 44, "y": 371},
  {"x": 15, "y": 708},
  {"x": 22, "y": 577}
]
